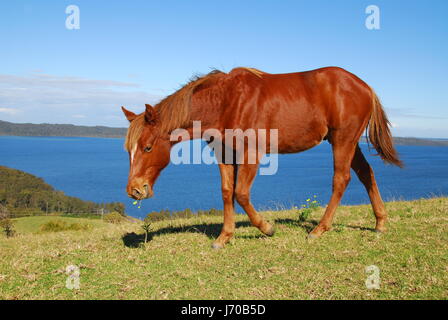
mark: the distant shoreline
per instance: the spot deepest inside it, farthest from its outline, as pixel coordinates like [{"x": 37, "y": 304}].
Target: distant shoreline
[
  {"x": 59, "y": 130},
  {"x": 69, "y": 130},
  {"x": 34, "y": 136},
  {"x": 411, "y": 141}
]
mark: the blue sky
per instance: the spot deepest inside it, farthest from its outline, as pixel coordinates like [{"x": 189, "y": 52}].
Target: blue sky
[{"x": 135, "y": 52}]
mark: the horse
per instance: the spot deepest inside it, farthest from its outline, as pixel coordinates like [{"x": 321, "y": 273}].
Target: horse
[{"x": 305, "y": 107}]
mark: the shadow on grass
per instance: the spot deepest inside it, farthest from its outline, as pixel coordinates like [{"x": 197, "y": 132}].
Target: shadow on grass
[
  {"x": 212, "y": 231},
  {"x": 133, "y": 240},
  {"x": 309, "y": 225}
]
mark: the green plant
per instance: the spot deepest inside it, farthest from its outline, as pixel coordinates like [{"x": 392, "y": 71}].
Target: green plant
[
  {"x": 146, "y": 226},
  {"x": 8, "y": 227},
  {"x": 113, "y": 217},
  {"x": 139, "y": 203},
  {"x": 308, "y": 208}
]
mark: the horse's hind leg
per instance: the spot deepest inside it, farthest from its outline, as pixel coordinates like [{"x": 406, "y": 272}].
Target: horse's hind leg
[
  {"x": 365, "y": 174},
  {"x": 246, "y": 176},
  {"x": 343, "y": 151}
]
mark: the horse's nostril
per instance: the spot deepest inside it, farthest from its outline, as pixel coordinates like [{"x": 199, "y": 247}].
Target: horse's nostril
[{"x": 136, "y": 193}]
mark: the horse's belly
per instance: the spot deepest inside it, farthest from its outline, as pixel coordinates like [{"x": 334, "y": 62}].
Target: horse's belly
[
  {"x": 297, "y": 138},
  {"x": 297, "y": 146}
]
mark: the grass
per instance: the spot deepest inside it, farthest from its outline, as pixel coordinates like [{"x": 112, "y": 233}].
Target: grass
[
  {"x": 61, "y": 225},
  {"x": 178, "y": 263},
  {"x": 29, "y": 225}
]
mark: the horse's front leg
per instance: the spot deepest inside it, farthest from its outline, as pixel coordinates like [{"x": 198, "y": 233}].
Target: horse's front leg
[
  {"x": 246, "y": 176},
  {"x": 228, "y": 177}
]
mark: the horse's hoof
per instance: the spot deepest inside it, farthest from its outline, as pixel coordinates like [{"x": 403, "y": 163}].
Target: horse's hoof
[
  {"x": 379, "y": 231},
  {"x": 217, "y": 245},
  {"x": 312, "y": 236},
  {"x": 270, "y": 231}
]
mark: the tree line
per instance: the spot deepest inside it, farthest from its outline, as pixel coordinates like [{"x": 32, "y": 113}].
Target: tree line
[{"x": 58, "y": 130}]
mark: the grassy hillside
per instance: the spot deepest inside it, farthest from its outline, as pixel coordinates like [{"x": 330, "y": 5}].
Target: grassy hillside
[
  {"x": 178, "y": 263},
  {"x": 24, "y": 194}
]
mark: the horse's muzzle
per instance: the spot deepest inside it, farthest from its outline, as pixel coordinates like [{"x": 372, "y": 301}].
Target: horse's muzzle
[{"x": 141, "y": 193}]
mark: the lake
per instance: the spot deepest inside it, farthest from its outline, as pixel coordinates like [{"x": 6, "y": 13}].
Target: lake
[{"x": 96, "y": 169}]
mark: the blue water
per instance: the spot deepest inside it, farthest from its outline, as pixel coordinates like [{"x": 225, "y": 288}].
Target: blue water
[{"x": 96, "y": 169}]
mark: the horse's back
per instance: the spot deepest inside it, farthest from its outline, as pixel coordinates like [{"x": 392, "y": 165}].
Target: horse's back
[{"x": 303, "y": 106}]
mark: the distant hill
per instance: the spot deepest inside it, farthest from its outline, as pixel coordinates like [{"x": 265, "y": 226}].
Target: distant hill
[
  {"x": 70, "y": 130},
  {"x": 22, "y": 193},
  {"x": 401, "y": 141},
  {"x": 58, "y": 130}
]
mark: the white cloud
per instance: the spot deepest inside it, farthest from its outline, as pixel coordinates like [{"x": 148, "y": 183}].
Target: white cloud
[
  {"x": 79, "y": 116},
  {"x": 9, "y": 111},
  {"x": 43, "y": 80},
  {"x": 49, "y": 98}
]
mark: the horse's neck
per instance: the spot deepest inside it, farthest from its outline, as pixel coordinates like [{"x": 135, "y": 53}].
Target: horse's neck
[
  {"x": 206, "y": 108},
  {"x": 202, "y": 122}
]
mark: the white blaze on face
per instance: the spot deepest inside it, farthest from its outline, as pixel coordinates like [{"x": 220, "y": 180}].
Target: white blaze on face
[{"x": 134, "y": 149}]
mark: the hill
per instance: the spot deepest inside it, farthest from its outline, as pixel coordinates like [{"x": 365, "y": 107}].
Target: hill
[
  {"x": 178, "y": 263},
  {"x": 408, "y": 141},
  {"x": 24, "y": 194},
  {"x": 58, "y": 130},
  {"x": 70, "y": 130}
]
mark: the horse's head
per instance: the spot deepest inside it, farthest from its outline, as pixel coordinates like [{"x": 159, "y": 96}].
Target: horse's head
[{"x": 149, "y": 152}]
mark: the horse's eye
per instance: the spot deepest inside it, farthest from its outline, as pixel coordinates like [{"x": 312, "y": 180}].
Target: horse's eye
[{"x": 148, "y": 149}]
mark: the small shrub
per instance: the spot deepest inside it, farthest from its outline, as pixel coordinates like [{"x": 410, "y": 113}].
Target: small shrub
[
  {"x": 200, "y": 213},
  {"x": 308, "y": 208},
  {"x": 158, "y": 216},
  {"x": 59, "y": 225},
  {"x": 8, "y": 227},
  {"x": 185, "y": 214},
  {"x": 215, "y": 212},
  {"x": 4, "y": 212},
  {"x": 146, "y": 226},
  {"x": 113, "y": 217}
]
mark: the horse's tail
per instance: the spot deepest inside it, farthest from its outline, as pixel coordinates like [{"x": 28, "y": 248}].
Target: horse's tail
[{"x": 380, "y": 135}]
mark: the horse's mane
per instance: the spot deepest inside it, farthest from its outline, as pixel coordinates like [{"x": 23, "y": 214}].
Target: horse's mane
[{"x": 174, "y": 111}]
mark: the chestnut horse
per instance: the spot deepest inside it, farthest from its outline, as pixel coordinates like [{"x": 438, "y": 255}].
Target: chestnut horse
[{"x": 306, "y": 107}]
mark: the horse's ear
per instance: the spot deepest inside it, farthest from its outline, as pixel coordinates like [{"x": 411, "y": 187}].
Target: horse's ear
[
  {"x": 150, "y": 113},
  {"x": 129, "y": 114}
]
